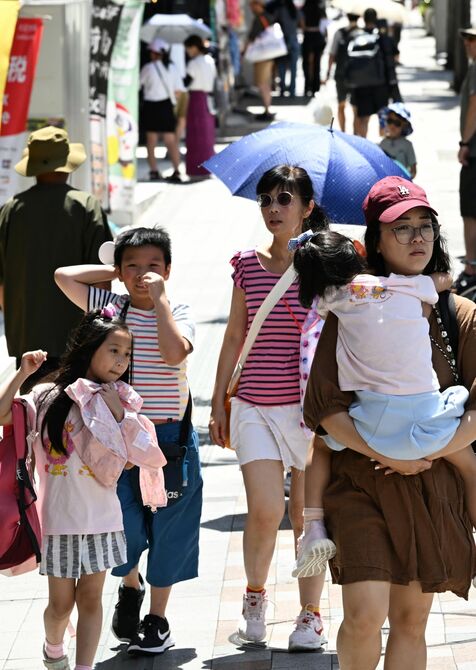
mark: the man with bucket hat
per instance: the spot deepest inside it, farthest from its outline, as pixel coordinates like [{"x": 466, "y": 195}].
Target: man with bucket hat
[
  {"x": 467, "y": 158},
  {"x": 49, "y": 225}
]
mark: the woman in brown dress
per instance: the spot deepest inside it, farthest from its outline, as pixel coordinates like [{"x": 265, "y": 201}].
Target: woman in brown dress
[{"x": 399, "y": 538}]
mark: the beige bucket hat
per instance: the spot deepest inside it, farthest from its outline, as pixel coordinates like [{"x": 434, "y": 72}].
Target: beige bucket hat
[{"x": 49, "y": 150}]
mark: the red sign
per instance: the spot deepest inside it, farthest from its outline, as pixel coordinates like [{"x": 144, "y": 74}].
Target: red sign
[{"x": 21, "y": 72}]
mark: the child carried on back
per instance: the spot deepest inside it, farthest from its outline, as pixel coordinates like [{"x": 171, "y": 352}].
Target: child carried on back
[{"x": 384, "y": 356}]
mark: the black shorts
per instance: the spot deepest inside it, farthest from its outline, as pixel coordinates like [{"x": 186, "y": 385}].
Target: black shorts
[
  {"x": 370, "y": 99},
  {"x": 467, "y": 189},
  {"x": 159, "y": 117},
  {"x": 343, "y": 91}
]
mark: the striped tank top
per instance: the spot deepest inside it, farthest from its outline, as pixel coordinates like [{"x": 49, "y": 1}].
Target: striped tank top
[{"x": 271, "y": 372}]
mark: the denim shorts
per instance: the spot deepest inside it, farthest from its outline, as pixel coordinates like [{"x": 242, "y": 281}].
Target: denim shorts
[{"x": 171, "y": 533}]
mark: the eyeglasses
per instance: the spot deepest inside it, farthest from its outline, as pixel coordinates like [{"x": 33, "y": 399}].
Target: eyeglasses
[
  {"x": 283, "y": 198},
  {"x": 405, "y": 234},
  {"x": 394, "y": 122}
]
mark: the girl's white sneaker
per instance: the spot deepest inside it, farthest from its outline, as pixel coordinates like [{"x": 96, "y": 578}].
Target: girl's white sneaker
[
  {"x": 308, "y": 634},
  {"x": 252, "y": 627}
]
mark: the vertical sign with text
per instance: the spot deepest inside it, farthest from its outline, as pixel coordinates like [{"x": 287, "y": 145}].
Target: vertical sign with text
[
  {"x": 122, "y": 114},
  {"x": 105, "y": 16},
  {"x": 16, "y": 100}
]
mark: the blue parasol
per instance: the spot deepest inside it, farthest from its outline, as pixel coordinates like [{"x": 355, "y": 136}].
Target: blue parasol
[{"x": 342, "y": 167}]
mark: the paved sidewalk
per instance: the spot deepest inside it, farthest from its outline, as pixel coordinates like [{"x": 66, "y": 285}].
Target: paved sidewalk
[{"x": 207, "y": 226}]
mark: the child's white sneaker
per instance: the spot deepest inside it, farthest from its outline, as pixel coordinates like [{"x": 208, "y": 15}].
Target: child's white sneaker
[
  {"x": 252, "y": 627},
  {"x": 308, "y": 634},
  {"x": 315, "y": 549}
]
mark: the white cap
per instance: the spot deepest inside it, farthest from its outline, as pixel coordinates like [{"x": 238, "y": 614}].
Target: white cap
[{"x": 159, "y": 45}]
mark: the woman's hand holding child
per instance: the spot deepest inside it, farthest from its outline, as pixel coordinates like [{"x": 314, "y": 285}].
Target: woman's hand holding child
[
  {"x": 402, "y": 467},
  {"x": 111, "y": 397}
]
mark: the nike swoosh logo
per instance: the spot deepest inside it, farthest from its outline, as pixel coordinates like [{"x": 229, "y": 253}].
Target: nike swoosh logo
[{"x": 163, "y": 636}]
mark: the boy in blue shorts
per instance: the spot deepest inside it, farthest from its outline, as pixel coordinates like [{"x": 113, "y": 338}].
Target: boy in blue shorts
[{"x": 163, "y": 335}]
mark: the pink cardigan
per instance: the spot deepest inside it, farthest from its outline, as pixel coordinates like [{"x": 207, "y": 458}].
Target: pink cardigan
[{"x": 106, "y": 446}]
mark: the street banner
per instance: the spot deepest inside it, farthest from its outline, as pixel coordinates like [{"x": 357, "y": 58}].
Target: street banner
[
  {"x": 122, "y": 114},
  {"x": 8, "y": 18},
  {"x": 16, "y": 101},
  {"x": 105, "y": 16}
]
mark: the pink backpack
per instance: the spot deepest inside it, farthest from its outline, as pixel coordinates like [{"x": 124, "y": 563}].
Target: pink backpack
[{"x": 20, "y": 539}]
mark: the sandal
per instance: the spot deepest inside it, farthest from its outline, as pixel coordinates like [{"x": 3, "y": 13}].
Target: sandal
[{"x": 55, "y": 663}]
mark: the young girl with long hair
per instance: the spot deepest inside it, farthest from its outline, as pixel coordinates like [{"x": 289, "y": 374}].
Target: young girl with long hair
[{"x": 78, "y": 466}]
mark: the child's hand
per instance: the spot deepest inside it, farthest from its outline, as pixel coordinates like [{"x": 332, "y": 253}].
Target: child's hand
[
  {"x": 156, "y": 285},
  {"x": 31, "y": 361},
  {"x": 443, "y": 281},
  {"x": 111, "y": 397}
]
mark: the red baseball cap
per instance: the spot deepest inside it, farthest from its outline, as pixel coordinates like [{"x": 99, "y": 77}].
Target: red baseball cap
[{"x": 391, "y": 197}]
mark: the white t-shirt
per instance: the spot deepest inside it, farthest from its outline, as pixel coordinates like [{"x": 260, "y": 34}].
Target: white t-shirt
[
  {"x": 71, "y": 501},
  {"x": 163, "y": 388},
  {"x": 203, "y": 72},
  {"x": 383, "y": 342},
  {"x": 160, "y": 82}
]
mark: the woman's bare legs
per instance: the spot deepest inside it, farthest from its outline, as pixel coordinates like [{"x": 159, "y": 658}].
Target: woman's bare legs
[
  {"x": 265, "y": 92},
  {"x": 265, "y": 512},
  {"x": 151, "y": 141},
  {"x": 170, "y": 141},
  {"x": 359, "y": 643},
  {"x": 408, "y": 617}
]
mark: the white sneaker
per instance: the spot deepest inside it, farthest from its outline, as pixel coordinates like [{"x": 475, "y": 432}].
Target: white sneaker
[
  {"x": 252, "y": 625},
  {"x": 308, "y": 634},
  {"x": 312, "y": 556}
]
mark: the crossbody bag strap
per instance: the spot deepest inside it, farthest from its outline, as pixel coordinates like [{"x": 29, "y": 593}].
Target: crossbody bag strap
[
  {"x": 186, "y": 422},
  {"x": 273, "y": 297},
  {"x": 164, "y": 82}
]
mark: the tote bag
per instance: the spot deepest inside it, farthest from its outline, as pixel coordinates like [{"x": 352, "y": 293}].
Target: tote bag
[{"x": 268, "y": 45}]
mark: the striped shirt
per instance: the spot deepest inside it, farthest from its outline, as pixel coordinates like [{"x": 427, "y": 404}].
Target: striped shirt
[
  {"x": 271, "y": 372},
  {"x": 163, "y": 388}
]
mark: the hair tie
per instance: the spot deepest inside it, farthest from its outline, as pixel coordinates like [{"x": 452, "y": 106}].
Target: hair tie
[
  {"x": 109, "y": 312},
  {"x": 299, "y": 241}
]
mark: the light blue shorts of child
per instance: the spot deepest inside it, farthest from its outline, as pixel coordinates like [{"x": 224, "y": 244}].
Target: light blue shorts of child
[{"x": 406, "y": 426}]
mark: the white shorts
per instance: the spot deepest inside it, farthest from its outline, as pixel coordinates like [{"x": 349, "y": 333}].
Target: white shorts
[
  {"x": 259, "y": 432},
  {"x": 75, "y": 555}
]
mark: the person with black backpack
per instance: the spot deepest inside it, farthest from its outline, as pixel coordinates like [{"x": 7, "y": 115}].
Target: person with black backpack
[
  {"x": 370, "y": 71},
  {"x": 338, "y": 56}
]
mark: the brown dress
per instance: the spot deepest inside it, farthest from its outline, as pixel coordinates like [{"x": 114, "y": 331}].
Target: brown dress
[{"x": 396, "y": 528}]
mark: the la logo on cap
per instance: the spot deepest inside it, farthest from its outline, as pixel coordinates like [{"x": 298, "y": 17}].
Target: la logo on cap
[{"x": 403, "y": 190}]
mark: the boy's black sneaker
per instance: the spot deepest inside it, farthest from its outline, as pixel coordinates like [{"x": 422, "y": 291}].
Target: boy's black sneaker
[
  {"x": 126, "y": 619},
  {"x": 156, "y": 636}
]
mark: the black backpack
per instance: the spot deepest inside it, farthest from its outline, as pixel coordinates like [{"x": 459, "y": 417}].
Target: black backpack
[{"x": 365, "y": 60}]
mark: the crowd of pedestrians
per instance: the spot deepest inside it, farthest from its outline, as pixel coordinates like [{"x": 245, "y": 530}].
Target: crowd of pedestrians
[{"x": 378, "y": 446}]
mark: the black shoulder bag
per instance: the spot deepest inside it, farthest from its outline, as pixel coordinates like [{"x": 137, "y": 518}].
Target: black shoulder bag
[{"x": 176, "y": 470}]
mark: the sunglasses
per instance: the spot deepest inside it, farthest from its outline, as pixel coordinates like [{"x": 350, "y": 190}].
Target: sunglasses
[
  {"x": 283, "y": 198},
  {"x": 394, "y": 122}
]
